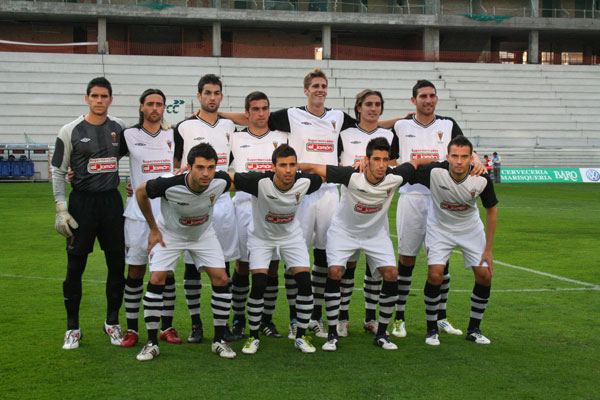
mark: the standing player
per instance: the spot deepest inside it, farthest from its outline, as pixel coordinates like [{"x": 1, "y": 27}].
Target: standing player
[
  {"x": 91, "y": 145},
  {"x": 185, "y": 223},
  {"x": 454, "y": 222},
  {"x": 251, "y": 150},
  {"x": 150, "y": 149},
  {"x": 276, "y": 196},
  {"x": 314, "y": 132},
  {"x": 352, "y": 147},
  {"x": 423, "y": 135},
  {"x": 358, "y": 225},
  {"x": 208, "y": 127}
]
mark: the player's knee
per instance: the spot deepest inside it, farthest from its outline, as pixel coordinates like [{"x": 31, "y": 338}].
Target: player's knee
[
  {"x": 406, "y": 261},
  {"x": 158, "y": 277},
  {"x": 483, "y": 276},
  {"x": 335, "y": 272},
  {"x": 219, "y": 279},
  {"x": 435, "y": 277},
  {"x": 389, "y": 274},
  {"x": 136, "y": 271}
]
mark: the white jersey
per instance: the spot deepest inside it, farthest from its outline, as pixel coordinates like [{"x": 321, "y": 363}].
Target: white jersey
[
  {"x": 250, "y": 152},
  {"x": 454, "y": 204},
  {"x": 150, "y": 156},
  {"x": 363, "y": 207},
  {"x": 418, "y": 141},
  {"x": 273, "y": 210},
  {"x": 313, "y": 137},
  {"x": 353, "y": 141},
  {"x": 186, "y": 214},
  {"x": 195, "y": 130}
]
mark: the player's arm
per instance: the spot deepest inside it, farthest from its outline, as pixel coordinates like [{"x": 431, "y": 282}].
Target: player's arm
[
  {"x": 423, "y": 172},
  {"x": 318, "y": 169},
  {"x": 238, "y": 118},
  {"x": 143, "y": 200},
  {"x": 491, "y": 217},
  {"x": 60, "y": 167},
  {"x": 389, "y": 123},
  {"x": 478, "y": 167}
]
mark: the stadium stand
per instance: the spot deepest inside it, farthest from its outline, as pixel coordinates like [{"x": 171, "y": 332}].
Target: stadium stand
[{"x": 534, "y": 115}]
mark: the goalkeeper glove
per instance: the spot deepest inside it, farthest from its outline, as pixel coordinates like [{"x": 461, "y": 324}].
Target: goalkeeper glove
[{"x": 64, "y": 220}]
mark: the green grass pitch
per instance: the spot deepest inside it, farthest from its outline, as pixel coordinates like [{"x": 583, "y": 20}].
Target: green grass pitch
[{"x": 542, "y": 319}]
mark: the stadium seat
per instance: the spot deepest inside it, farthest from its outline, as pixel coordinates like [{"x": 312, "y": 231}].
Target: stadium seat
[
  {"x": 28, "y": 168},
  {"x": 4, "y": 168},
  {"x": 17, "y": 168}
]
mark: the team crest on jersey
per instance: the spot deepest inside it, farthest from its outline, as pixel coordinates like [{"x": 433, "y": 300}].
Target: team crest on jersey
[
  {"x": 297, "y": 197},
  {"x": 440, "y": 134},
  {"x": 169, "y": 143},
  {"x": 227, "y": 135},
  {"x": 114, "y": 137},
  {"x": 126, "y": 249},
  {"x": 473, "y": 194},
  {"x": 275, "y": 144},
  {"x": 333, "y": 124},
  {"x": 212, "y": 199},
  {"x": 388, "y": 191}
]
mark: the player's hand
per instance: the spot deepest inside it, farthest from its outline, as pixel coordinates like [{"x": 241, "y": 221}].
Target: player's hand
[
  {"x": 478, "y": 167},
  {"x": 129, "y": 189},
  {"x": 489, "y": 259},
  {"x": 70, "y": 175},
  {"x": 360, "y": 166},
  {"x": 154, "y": 238},
  {"x": 181, "y": 170},
  {"x": 64, "y": 221}
]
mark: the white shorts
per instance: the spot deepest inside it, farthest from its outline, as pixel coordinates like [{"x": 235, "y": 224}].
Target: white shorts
[
  {"x": 378, "y": 248},
  {"x": 356, "y": 255},
  {"x": 223, "y": 222},
  {"x": 315, "y": 213},
  {"x": 411, "y": 222},
  {"x": 205, "y": 251},
  {"x": 136, "y": 242},
  {"x": 439, "y": 246},
  {"x": 293, "y": 252}
]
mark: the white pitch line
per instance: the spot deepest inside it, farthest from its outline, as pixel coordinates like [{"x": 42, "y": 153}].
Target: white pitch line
[
  {"x": 593, "y": 288},
  {"x": 535, "y": 271}
]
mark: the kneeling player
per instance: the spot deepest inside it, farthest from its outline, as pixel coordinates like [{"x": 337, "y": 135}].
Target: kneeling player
[
  {"x": 185, "y": 224},
  {"x": 276, "y": 197},
  {"x": 454, "y": 222},
  {"x": 359, "y": 224}
]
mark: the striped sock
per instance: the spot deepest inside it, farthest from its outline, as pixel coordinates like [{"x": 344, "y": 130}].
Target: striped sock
[
  {"x": 432, "y": 300},
  {"x": 479, "y": 301},
  {"x": 192, "y": 286},
  {"x": 291, "y": 291},
  {"x": 404, "y": 282},
  {"x": 371, "y": 288},
  {"x": 153, "y": 304},
  {"x": 220, "y": 304},
  {"x": 240, "y": 287},
  {"x": 387, "y": 299},
  {"x": 444, "y": 289},
  {"x": 332, "y": 303},
  {"x": 256, "y": 302},
  {"x": 134, "y": 291},
  {"x": 168, "y": 303},
  {"x": 270, "y": 298},
  {"x": 346, "y": 289}
]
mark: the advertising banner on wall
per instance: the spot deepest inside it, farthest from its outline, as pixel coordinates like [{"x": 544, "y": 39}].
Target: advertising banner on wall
[{"x": 550, "y": 175}]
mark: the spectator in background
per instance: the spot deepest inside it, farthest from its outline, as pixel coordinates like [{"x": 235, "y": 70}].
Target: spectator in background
[
  {"x": 488, "y": 165},
  {"x": 497, "y": 162}
]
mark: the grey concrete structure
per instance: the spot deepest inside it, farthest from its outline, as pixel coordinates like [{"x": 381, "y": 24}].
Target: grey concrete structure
[{"x": 459, "y": 33}]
